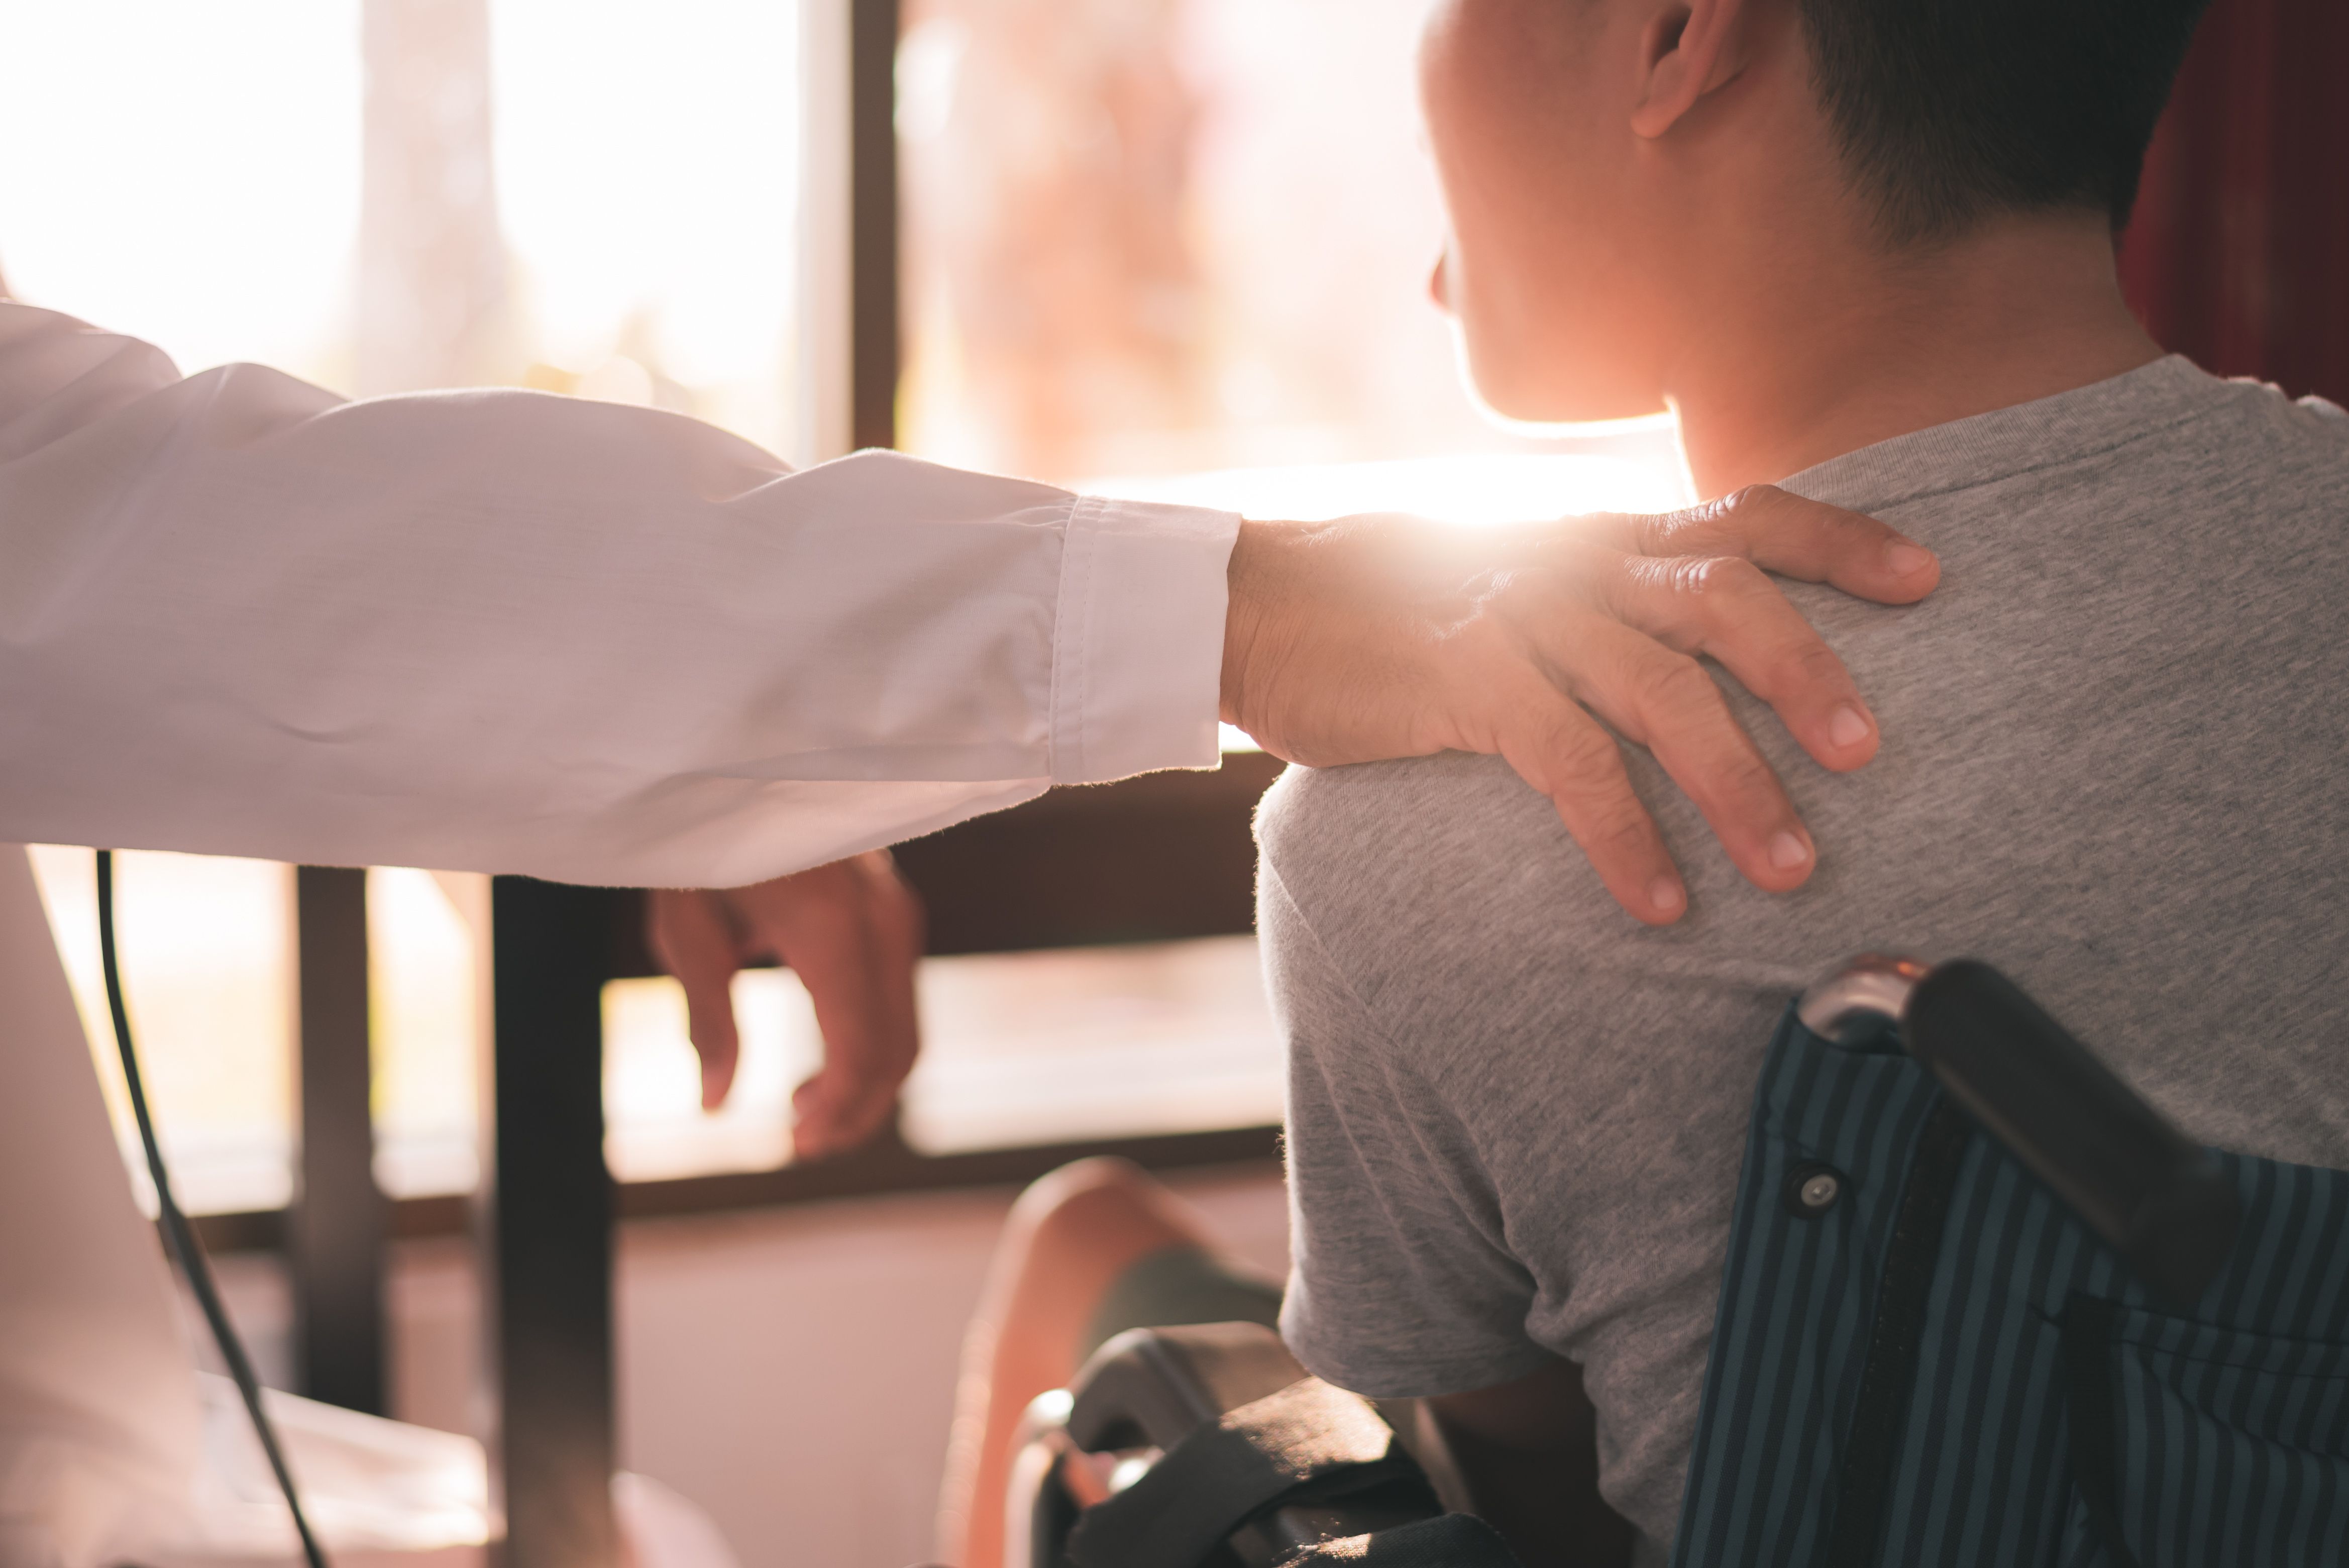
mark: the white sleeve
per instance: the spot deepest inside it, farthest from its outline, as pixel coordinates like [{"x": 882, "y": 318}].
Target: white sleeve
[{"x": 500, "y": 631}]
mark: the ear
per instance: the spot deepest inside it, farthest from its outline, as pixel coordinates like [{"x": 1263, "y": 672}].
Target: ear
[{"x": 1689, "y": 50}]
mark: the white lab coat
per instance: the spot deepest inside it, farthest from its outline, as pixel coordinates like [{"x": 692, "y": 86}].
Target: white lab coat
[{"x": 494, "y": 631}]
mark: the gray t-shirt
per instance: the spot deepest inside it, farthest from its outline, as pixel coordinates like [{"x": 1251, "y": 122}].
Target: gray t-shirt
[{"x": 2116, "y": 764}]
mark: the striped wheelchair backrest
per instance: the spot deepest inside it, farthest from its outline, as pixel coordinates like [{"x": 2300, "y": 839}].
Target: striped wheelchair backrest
[{"x": 1922, "y": 1359}]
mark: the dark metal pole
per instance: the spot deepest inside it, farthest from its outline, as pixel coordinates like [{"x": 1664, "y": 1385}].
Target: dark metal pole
[
  {"x": 545, "y": 1222},
  {"x": 545, "y": 1227},
  {"x": 877, "y": 353},
  {"x": 337, "y": 1231}
]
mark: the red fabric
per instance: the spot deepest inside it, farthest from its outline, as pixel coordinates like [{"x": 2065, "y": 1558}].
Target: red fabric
[{"x": 2239, "y": 254}]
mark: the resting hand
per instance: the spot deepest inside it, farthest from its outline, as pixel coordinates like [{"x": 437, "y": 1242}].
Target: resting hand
[
  {"x": 1392, "y": 637},
  {"x": 853, "y": 932}
]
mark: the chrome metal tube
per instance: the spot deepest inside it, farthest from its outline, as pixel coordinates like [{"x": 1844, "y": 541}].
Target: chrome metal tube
[{"x": 1863, "y": 993}]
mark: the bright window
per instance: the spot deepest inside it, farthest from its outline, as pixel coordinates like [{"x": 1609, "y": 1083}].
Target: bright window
[
  {"x": 424, "y": 990},
  {"x": 1161, "y": 238},
  {"x": 647, "y": 167},
  {"x": 610, "y": 191},
  {"x": 1019, "y": 1049},
  {"x": 1174, "y": 249},
  {"x": 206, "y": 954},
  {"x": 610, "y": 207},
  {"x": 189, "y": 174}
]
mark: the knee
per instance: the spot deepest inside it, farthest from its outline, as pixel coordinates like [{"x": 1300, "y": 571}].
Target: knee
[
  {"x": 1101, "y": 1209},
  {"x": 1100, "y": 1182}
]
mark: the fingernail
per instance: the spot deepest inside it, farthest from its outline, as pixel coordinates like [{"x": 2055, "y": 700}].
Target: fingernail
[
  {"x": 1789, "y": 853},
  {"x": 1849, "y": 726},
  {"x": 1666, "y": 896},
  {"x": 1905, "y": 559}
]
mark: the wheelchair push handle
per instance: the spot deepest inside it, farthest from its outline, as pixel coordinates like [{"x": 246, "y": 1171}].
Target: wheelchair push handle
[{"x": 2155, "y": 1197}]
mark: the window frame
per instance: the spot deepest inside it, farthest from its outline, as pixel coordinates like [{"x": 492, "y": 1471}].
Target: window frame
[{"x": 1164, "y": 857}]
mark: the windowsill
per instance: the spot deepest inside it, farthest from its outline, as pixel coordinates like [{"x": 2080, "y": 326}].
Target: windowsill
[{"x": 886, "y": 1168}]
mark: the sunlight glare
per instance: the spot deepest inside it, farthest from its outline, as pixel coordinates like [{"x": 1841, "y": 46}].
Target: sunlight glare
[
  {"x": 188, "y": 174},
  {"x": 1474, "y": 491},
  {"x": 648, "y": 189}
]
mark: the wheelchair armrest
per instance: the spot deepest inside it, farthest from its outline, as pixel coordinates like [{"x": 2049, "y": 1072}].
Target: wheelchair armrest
[
  {"x": 1150, "y": 1387},
  {"x": 2157, "y": 1200},
  {"x": 1147, "y": 1391}
]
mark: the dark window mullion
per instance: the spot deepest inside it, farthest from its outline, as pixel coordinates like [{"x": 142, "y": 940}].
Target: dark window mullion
[{"x": 337, "y": 1228}]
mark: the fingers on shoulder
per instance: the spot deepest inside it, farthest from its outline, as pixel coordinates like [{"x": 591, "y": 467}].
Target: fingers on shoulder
[
  {"x": 1822, "y": 542},
  {"x": 1562, "y": 752}
]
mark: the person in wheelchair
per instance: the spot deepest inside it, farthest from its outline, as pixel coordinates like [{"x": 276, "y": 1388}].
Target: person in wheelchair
[{"x": 1865, "y": 249}]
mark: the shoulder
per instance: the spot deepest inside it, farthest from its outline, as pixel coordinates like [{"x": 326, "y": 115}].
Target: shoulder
[
  {"x": 1334, "y": 820},
  {"x": 2305, "y": 438},
  {"x": 1398, "y": 836},
  {"x": 1430, "y": 885}
]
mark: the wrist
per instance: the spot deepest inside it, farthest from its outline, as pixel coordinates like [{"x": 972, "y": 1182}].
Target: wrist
[{"x": 1243, "y": 616}]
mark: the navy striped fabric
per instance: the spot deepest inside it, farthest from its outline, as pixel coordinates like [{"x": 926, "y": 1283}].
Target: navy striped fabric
[{"x": 2030, "y": 1405}]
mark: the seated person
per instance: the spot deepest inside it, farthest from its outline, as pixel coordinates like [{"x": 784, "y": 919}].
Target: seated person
[{"x": 1862, "y": 248}]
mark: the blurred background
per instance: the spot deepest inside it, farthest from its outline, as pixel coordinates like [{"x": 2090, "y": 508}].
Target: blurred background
[
  {"x": 1162, "y": 247},
  {"x": 1166, "y": 248},
  {"x": 1171, "y": 249}
]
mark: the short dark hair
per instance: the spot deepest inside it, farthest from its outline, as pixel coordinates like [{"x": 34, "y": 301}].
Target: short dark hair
[{"x": 1949, "y": 111}]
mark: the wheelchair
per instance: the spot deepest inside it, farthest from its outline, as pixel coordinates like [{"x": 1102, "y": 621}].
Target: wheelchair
[{"x": 1983, "y": 1306}]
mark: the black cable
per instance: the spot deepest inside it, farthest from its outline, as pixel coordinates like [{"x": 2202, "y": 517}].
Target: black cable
[{"x": 178, "y": 1234}]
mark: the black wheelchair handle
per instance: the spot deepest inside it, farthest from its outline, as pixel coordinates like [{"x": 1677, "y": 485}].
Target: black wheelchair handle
[{"x": 2155, "y": 1197}]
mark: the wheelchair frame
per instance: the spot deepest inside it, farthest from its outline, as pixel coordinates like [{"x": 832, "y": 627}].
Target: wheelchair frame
[{"x": 2164, "y": 1206}]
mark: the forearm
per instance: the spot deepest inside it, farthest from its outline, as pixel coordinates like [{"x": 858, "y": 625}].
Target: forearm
[{"x": 505, "y": 632}]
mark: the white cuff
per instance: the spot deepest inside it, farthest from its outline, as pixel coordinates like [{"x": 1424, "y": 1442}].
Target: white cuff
[{"x": 1138, "y": 651}]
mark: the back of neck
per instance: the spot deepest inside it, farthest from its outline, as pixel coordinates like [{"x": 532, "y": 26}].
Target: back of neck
[{"x": 1803, "y": 362}]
